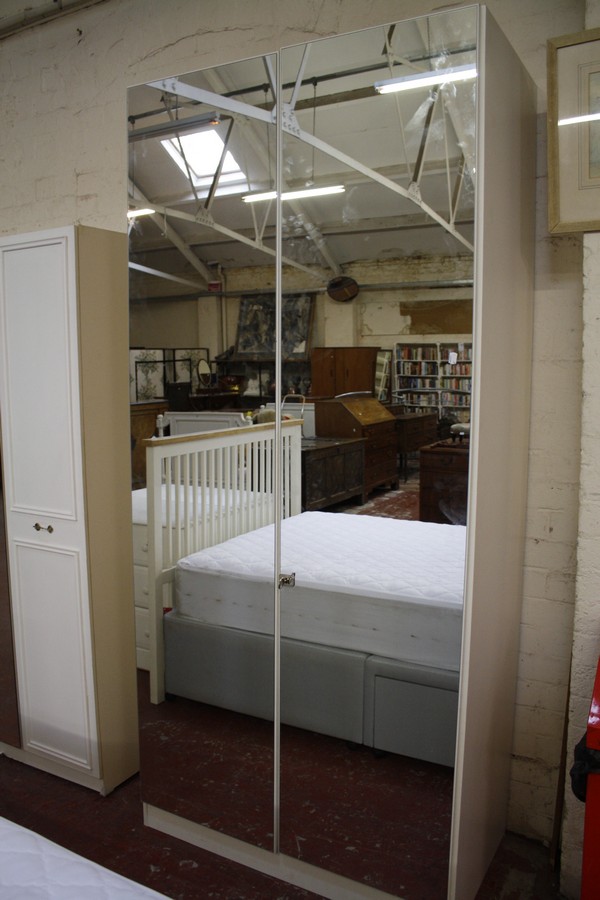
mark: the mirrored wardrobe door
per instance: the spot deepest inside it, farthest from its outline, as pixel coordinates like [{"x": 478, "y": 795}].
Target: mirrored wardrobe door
[
  {"x": 203, "y": 351},
  {"x": 377, "y": 254}
]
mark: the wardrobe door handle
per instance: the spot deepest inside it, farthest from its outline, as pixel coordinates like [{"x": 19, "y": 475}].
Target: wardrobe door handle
[{"x": 47, "y": 528}]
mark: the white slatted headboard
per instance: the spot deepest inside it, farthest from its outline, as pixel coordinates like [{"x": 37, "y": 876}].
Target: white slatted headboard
[{"x": 204, "y": 489}]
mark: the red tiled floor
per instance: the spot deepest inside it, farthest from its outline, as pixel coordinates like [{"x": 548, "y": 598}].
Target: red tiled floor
[
  {"x": 110, "y": 831},
  {"x": 373, "y": 818},
  {"x": 322, "y": 815}
]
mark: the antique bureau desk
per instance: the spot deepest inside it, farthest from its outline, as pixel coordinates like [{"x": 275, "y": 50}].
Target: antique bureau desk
[{"x": 363, "y": 417}]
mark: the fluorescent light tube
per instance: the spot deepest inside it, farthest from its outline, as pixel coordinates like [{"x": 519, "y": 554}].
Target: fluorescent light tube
[
  {"x": 296, "y": 195},
  {"x": 426, "y": 79},
  {"x": 576, "y": 120},
  {"x": 134, "y": 213}
]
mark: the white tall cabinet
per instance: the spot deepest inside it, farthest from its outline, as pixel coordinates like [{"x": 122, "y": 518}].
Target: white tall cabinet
[{"x": 64, "y": 412}]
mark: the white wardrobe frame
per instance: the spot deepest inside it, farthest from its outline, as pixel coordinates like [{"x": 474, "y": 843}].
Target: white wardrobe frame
[{"x": 502, "y": 343}]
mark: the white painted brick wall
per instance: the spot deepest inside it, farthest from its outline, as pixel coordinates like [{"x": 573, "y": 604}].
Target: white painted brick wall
[
  {"x": 586, "y": 640},
  {"x": 586, "y": 636}
]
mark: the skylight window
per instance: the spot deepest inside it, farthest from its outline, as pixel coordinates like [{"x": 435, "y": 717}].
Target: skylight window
[{"x": 203, "y": 151}]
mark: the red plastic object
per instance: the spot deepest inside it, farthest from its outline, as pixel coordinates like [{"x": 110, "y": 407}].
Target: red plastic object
[{"x": 590, "y": 877}]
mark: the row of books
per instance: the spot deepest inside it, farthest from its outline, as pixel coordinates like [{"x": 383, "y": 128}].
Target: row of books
[{"x": 431, "y": 399}]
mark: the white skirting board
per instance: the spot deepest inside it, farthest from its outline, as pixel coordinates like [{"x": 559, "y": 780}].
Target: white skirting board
[{"x": 276, "y": 865}]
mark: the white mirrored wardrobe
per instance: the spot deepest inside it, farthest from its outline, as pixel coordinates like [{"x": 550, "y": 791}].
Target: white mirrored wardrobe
[{"x": 297, "y": 702}]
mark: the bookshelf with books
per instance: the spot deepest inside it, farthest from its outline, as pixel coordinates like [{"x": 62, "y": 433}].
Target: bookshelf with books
[
  {"x": 455, "y": 380},
  {"x": 434, "y": 376}
]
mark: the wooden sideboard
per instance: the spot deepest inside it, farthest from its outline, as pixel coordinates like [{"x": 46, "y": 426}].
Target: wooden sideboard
[
  {"x": 333, "y": 470},
  {"x": 363, "y": 417},
  {"x": 444, "y": 482}
]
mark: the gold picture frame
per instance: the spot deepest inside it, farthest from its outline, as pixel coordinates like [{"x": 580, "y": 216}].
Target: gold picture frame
[{"x": 574, "y": 147}]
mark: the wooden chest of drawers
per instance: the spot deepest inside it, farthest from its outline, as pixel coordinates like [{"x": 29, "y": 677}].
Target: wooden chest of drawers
[
  {"x": 414, "y": 430},
  {"x": 332, "y": 470},
  {"x": 363, "y": 417},
  {"x": 444, "y": 480}
]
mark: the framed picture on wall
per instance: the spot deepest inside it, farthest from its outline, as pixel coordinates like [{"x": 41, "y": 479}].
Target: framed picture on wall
[
  {"x": 574, "y": 132},
  {"x": 256, "y": 327}
]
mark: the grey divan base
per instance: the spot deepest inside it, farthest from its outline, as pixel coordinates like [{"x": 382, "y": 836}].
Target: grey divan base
[{"x": 390, "y": 705}]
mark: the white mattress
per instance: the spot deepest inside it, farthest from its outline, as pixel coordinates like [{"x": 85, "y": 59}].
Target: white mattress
[
  {"x": 32, "y": 866},
  {"x": 389, "y": 587}
]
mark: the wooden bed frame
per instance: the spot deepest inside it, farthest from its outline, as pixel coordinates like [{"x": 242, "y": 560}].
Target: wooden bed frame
[{"x": 203, "y": 489}]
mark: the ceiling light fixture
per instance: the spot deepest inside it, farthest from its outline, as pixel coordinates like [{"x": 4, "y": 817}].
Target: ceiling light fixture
[
  {"x": 177, "y": 126},
  {"x": 295, "y": 195},
  {"x": 426, "y": 79},
  {"x": 135, "y": 213},
  {"x": 577, "y": 120}
]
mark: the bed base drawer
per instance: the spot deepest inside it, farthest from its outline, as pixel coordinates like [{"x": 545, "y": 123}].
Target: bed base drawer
[
  {"x": 321, "y": 688},
  {"x": 411, "y": 709},
  {"x": 387, "y": 704}
]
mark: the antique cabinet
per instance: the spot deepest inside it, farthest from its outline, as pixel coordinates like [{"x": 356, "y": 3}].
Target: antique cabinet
[
  {"x": 342, "y": 370},
  {"x": 333, "y": 469},
  {"x": 367, "y": 418},
  {"x": 63, "y": 399},
  {"x": 444, "y": 479}
]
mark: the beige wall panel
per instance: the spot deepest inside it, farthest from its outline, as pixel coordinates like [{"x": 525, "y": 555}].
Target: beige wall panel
[
  {"x": 165, "y": 323},
  {"x": 499, "y": 457}
]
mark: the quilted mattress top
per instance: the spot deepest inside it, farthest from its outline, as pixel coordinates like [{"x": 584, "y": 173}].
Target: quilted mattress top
[
  {"x": 32, "y": 866},
  {"x": 351, "y": 554}
]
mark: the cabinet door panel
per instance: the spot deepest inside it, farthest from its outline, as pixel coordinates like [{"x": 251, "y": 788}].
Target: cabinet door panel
[
  {"x": 38, "y": 326},
  {"x": 322, "y": 372},
  {"x": 50, "y": 628},
  {"x": 356, "y": 369}
]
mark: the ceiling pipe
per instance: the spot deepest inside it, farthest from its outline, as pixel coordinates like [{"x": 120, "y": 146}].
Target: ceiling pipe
[
  {"x": 418, "y": 285},
  {"x": 373, "y": 288}
]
